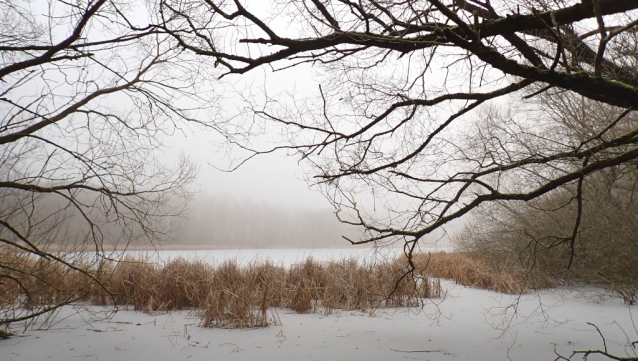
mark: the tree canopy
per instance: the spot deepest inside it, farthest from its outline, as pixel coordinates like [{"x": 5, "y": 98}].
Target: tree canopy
[{"x": 408, "y": 89}]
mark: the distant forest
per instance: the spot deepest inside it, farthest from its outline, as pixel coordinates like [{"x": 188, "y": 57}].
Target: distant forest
[{"x": 220, "y": 221}]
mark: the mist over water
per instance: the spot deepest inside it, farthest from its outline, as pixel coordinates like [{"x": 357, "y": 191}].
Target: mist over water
[{"x": 219, "y": 221}]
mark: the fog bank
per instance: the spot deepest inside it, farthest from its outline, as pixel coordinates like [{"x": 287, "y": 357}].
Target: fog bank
[{"x": 219, "y": 221}]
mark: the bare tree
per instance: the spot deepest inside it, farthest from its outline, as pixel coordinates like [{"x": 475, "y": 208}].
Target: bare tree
[
  {"x": 90, "y": 89},
  {"x": 532, "y": 234},
  {"x": 402, "y": 83}
]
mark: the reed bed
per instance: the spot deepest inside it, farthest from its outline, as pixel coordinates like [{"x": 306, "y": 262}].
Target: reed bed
[
  {"x": 232, "y": 296},
  {"x": 225, "y": 295},
  {"x": 468, "y": 270},
  {"x": 29, "y": 283}
]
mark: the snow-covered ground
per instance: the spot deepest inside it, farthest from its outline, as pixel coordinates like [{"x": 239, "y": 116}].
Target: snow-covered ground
[{"x": 466, "y": 325}]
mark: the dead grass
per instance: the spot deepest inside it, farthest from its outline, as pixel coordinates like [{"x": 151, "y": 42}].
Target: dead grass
[
  {"x": 234, "y": 296},
  {"x": 29, "y": 282},
  {"x": 470, "y": 271},
  {"x": 231, "y": 296}
]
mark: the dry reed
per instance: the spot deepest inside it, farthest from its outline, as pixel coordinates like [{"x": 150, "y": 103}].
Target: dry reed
[
  {"x": 469, "y": 271},
  {"x": 231, "y": 296},
  {"x": 224, "y": 295},
  {"x": 31, "y": 282}
]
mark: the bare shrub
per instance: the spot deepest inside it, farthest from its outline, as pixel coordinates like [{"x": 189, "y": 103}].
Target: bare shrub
[{"x": 540, "y": 239}]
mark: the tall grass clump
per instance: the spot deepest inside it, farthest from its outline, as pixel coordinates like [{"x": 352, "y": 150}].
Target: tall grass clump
[
  {"x": 176, "y": 285},
  {"x": 382, "y": 284},
  {"x": 239, "y": 297},
  {"x": 232, "y": 296},
  {"x": 468, "y": 270}
]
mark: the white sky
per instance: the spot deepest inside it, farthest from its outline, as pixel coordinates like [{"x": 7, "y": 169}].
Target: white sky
[{"x": 273, "y": 178}]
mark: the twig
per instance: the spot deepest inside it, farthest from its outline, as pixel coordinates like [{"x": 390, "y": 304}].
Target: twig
[{"x": 600, "y": 333}]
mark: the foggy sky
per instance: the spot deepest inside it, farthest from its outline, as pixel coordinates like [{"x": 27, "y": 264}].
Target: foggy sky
[{"x": 274, "y": 179}]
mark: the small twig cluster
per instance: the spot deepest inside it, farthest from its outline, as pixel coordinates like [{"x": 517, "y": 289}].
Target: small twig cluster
[{"x": 604, "y": 352}]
